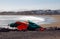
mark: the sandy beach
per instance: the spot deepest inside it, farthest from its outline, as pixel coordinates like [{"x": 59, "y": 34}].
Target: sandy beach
[
  {"x": 30, "y": 35},
  {"x": 54, "y": 24},
  {"x": 53, "y": 34}
]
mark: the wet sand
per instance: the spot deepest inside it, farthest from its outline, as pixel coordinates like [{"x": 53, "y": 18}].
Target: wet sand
[{"x": 54, "y": 24}]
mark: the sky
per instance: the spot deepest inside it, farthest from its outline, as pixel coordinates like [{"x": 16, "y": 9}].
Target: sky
[{"x": 8, "y": 5}]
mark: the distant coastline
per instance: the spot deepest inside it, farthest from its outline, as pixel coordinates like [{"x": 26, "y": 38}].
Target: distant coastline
[{"x": 31, "y": 12}]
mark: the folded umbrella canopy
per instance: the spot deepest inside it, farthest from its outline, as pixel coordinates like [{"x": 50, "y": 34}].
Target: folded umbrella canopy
[{"x": 24, "y": 26}]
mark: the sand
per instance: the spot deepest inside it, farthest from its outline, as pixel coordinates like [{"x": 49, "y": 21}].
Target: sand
[
  {"x": 30, "y": 35},
  {"x": 54, "y": 24}
]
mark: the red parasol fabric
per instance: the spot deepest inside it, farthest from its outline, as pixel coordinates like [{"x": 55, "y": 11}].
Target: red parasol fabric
[{"x": 22, "y": 26}]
